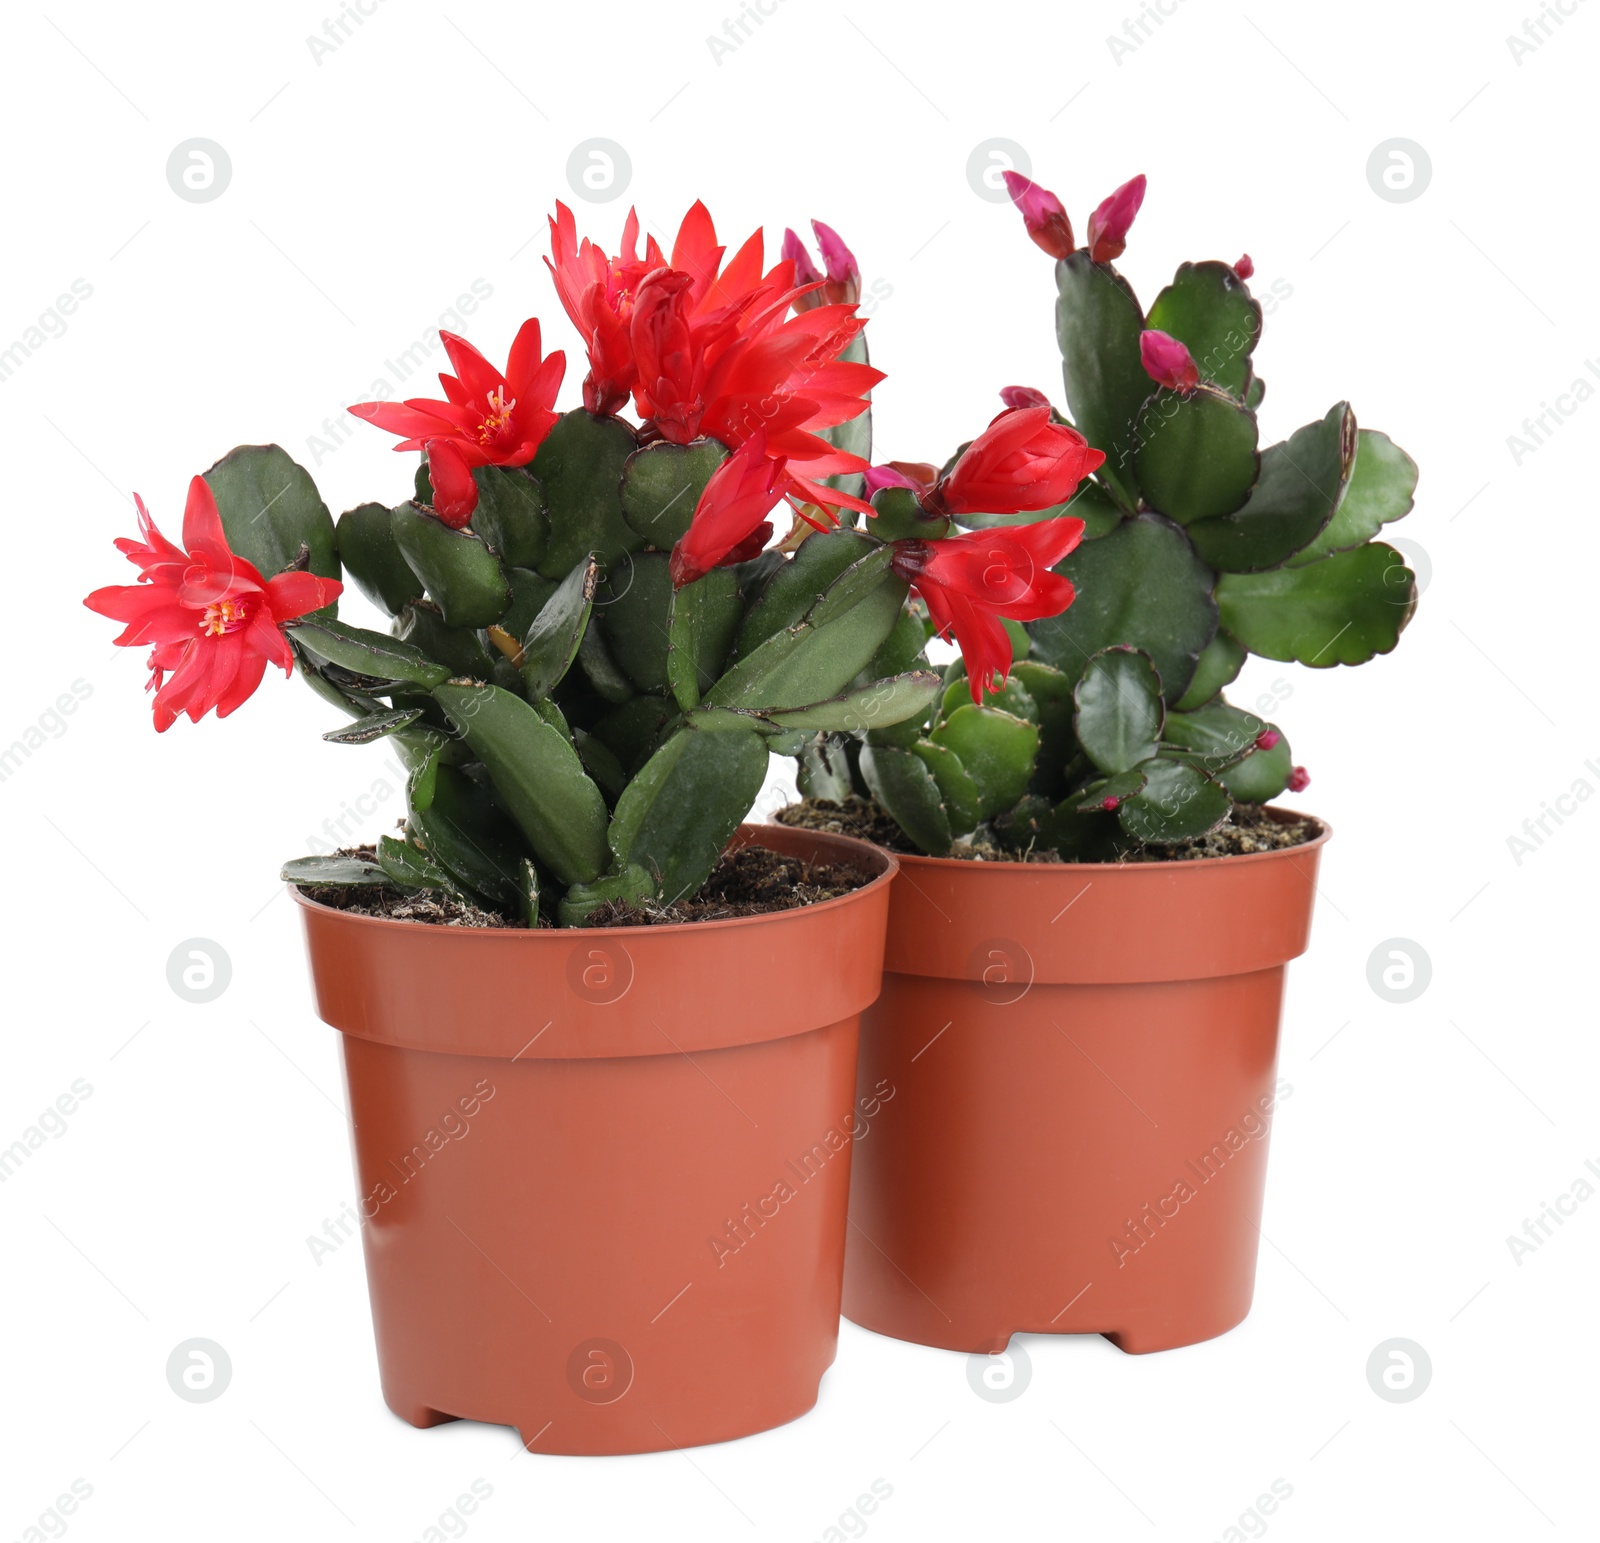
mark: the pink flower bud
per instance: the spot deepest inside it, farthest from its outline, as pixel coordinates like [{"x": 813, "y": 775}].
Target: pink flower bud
[
  {"x": 1042, "y": 213},
  {"x": 1267, "y": 738},
  {"x": 1023, "y": 396},
  {"x": 889, "y": 476},
  {"x": 1244, "y": 267},
  {"x": 794, "y": 251},
  {"x": 1167, "y": 362},
  {"x": 1108, "y": 225},
  {"x": 836, "y": 256},
  {"x": 1299, "y": 780},
  {"x": 1108, "y": 803},
  {"x": 844, "y": 276}
]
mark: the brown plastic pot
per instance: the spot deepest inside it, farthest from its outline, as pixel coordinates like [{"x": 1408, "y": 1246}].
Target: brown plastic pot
[
  {"x": 1083, "y": 1063},
  {"x": 603, "y": 1174}
]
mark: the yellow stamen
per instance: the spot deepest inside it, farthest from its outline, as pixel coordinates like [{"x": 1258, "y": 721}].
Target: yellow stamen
[
  {"x": 225, "y": 616},
  {"x": 498, "y": 416}
]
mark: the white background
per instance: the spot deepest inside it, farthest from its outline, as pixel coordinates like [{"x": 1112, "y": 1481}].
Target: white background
[{"x": 370, "y": 188}]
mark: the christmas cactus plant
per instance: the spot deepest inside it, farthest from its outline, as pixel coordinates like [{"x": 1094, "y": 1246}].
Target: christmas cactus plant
[
  {"x": 592, "y": 649},
  {"x": 1110, "y": 731}
]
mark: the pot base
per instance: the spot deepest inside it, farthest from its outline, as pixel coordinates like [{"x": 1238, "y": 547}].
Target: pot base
[
  {"x": 538, "y": 1432},
  {"x": 1158, "y": 1333}
]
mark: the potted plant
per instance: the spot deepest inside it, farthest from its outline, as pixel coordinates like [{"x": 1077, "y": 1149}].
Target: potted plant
[
  {"x": 1097, "y": 901},
  {"x": 602, "y": 1121}
]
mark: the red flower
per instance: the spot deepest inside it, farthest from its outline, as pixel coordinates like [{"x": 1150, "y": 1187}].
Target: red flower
[
  {"x": 969, "y": 581},
  {"x": 490, "y": 419},
  {"x": 1043, "y": 214},
  {"x": 597, "y": 293},
  {"x": 1267, "y": 738},
  {"x": 600, "y": 293},
  {"x": 1244, "y": 267},
  {"x": 670, "y": 369},
  {"x": 1167, "y": 362},
  {"x": 784, "y": 377},
  {"x": 708, "y": 349},
  {"x": 1021, "y": 461},
  {"x": 1108, "y": 225},
  {"x": 211, "y": 619},
  {"x": 730, "y": 521},
  {"x": 1299, "y": 779}
]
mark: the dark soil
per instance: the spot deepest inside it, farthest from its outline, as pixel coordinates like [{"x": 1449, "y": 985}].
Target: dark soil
[
  {"x": 431, "y": 906},
  {"x": 1249, "y": 828},
  {"x": 854, "y": 817},
  {"x": 750, "y": 882},
  {"x": 439, "y": 910}
]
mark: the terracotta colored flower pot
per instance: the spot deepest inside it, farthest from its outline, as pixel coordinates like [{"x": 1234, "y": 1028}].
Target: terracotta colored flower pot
[
  {"x": 1084, "y": 1063},
  {"x": 603, "y": 1175}
]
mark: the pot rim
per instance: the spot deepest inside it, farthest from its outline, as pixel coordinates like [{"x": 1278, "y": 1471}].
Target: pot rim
[
  {"x": 1323, "y": 828},
  {"x": 748, "y": 834}
]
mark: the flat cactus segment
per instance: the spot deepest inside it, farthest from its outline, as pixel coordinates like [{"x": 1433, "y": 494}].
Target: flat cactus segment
[
  {"x": 580, "y": 467},
  {"x": 462, "y": 575},
  {"x": 1098, "y": 322},
  {"x": 1209, "y": 309},
  {"x": 1303, "y": 482},
  {"x": 683, "y": 806},
  {"x": 1142, "y": 585},
  {"x": 1196, "y": 454},
  {"x": 538, "y": 777},
  {"x": 1343, "y": 609}
]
